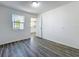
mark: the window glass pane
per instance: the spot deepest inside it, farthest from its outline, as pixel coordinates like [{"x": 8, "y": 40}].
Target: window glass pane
[
  {"x": 21, "y": 25},
  {"x": 17, "y": 25}
]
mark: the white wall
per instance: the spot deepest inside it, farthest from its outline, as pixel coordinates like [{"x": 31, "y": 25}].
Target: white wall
[
  {"x": 62, "y": 25},
  {"x": 7, "y": 34}
]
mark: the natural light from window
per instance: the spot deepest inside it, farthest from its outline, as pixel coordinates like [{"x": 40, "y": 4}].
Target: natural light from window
[{"x": 18, "y": 21}]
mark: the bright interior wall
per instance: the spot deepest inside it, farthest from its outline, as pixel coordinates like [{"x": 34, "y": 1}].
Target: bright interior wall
[
  {"x": 7, "y": 33},
  {"x": 61, "y": 25}
]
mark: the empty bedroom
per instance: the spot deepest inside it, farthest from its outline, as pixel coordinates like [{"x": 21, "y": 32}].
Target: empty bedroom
[{"x": 39, "y": 28}]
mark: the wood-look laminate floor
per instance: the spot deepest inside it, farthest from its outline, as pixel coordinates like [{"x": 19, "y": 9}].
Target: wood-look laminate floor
[{"x": 36, "y": 47}]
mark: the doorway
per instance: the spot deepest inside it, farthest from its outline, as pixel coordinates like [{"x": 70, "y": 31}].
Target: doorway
[{"x": 33, "y": 26}]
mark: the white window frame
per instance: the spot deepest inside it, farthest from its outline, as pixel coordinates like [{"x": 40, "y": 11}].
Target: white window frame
[{"x": 20, "y": 18}]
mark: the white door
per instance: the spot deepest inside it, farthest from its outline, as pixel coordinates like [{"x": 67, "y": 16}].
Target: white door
[{"x": 39, "y": 27}]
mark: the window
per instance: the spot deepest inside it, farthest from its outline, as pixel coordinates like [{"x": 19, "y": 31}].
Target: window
[{"x": 18, "y": 21}]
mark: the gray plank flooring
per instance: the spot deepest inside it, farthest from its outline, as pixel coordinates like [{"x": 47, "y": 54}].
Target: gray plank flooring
[{"x": 37, "y": 47}]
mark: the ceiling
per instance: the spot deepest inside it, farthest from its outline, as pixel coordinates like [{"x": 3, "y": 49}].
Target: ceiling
[{"x": 26, "y": 5}]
